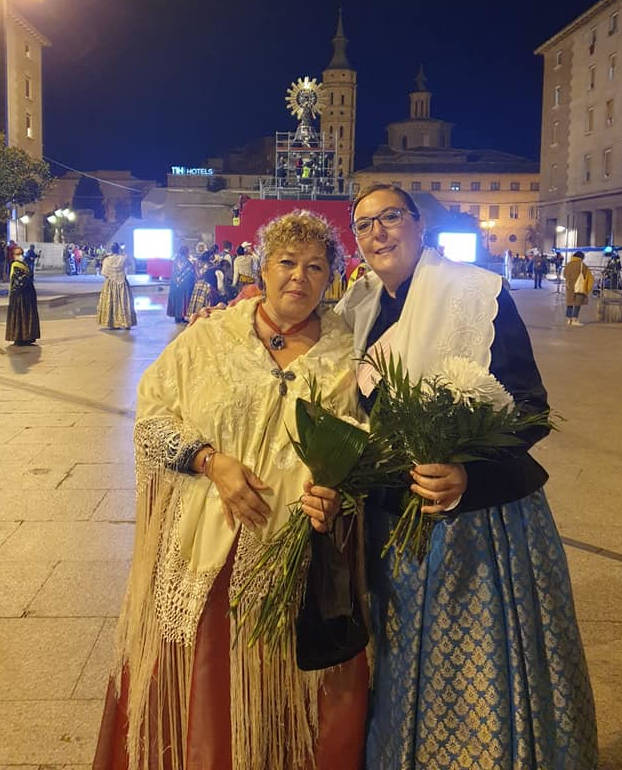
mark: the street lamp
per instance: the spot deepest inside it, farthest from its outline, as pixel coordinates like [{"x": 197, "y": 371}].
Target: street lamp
[
  {"x": 58, "y": 220},
  {"x": 487, "y": 225}
]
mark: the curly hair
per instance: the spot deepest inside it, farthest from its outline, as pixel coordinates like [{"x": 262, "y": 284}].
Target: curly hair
[{"x": 296, "y": 227}]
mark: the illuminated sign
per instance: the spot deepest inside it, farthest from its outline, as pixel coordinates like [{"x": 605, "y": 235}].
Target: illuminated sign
[
  {"x": 152, "y": 243},
  {"x": 184, "y": 171},
  {"x": 459, "y": 247}
]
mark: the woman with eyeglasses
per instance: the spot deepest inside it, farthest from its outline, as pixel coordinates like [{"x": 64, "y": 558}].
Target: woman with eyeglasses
[{"x": 478, "y": 659}]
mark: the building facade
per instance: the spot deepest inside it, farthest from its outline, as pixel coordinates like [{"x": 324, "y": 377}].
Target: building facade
[
  {"x": 498, "y": 189},
  {"x": 338, "y": 118},
  {"x": 581, "y": 143}
]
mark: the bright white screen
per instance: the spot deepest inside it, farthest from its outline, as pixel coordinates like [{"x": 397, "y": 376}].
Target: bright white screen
[
  {"x": 153, "y": 244},
  {"x": 459, "y": 247}
]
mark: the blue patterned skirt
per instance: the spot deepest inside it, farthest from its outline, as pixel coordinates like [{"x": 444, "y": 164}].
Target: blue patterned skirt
[{"x": 479, "y": 663}]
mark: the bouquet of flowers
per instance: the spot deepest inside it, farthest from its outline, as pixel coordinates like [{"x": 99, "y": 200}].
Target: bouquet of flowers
[
  {"x": 339, "y": 455},
  {"x": 458, "y": 414}
]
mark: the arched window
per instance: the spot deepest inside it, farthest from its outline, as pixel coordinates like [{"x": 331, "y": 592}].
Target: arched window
[
  {"x": 332, "y": 98},
  {"x": 341, "y": 132},
  {"x": 343, "y": 99}
]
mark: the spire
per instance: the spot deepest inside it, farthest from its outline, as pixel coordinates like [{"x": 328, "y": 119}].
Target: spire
[
  {"x": 421, "y": 80},
  {"x": 340, "y": 59}
]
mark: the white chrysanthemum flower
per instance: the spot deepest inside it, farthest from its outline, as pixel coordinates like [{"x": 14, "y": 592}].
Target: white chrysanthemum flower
[{"x": 468, "y": 382}]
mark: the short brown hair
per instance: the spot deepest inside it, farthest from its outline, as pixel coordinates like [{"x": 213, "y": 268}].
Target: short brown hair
[
  {"x": 372, "y": 188},
  {"x": 301, "y": 226}
]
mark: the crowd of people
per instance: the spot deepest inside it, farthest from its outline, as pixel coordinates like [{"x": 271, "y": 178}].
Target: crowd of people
[
  {"x": 80, "y": 258},
  {"x": 477, "y": 657}
]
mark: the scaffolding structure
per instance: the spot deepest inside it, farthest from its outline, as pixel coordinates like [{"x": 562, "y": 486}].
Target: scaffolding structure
[{"x": 304, "y": 167}]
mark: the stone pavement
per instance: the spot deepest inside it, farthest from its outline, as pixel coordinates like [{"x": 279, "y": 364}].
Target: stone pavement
[{"x": 66, "y": 512}]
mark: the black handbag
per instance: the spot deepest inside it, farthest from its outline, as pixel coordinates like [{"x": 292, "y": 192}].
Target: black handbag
[{"x": 330, "y": 628}]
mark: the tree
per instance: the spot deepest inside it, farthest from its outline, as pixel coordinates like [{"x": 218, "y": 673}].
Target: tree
[
  {"x": 88, "y": 195},
  {"x": 22, "y": 179}
]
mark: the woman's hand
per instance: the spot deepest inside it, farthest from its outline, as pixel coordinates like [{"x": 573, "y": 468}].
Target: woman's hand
[
  {"x": 441, "y": 483},
  {"x": 205, "y": 312},
  {"x": 321, "y": 505},
  {"x": 238, "y": 488}
]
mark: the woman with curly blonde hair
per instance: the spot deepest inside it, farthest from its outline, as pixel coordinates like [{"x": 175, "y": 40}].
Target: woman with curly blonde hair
[{"x": 215, "y": 472}]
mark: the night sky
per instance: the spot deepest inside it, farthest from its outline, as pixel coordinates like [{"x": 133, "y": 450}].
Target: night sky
[{"x": 145, "y": 84}]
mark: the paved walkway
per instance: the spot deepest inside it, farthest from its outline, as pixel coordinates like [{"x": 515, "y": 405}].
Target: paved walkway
[{"x": 66, "y": 512}]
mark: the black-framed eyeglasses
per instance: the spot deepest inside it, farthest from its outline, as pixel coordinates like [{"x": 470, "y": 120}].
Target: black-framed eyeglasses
[{"x": 389, "y": 217}]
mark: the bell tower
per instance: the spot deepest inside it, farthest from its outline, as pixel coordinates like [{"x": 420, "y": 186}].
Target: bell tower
[{"x": 339, "y": 115}]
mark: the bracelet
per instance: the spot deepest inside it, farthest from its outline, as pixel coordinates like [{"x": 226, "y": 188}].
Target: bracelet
[{"x": 208, "y": 460}]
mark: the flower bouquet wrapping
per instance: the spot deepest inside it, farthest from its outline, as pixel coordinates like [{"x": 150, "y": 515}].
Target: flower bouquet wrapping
[
  {"x": 457, "y": 414},
  {"x": 339, "y": 455}
]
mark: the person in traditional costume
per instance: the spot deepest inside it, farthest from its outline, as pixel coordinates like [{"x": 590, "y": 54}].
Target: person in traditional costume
[
  {"x": 22, "y": 320},
  {"x": 478, "y": 658},
  {"x": 115, "y": 308},
  {"x": 205, "y": 292},
  {"x": 216, "y": 471},
  {"x": 181, "y": 286}
]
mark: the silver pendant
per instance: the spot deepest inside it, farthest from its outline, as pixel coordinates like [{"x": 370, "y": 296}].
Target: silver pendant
[
  {"x": 277, "y": 342},
  {"x": 283, "y": 377}
]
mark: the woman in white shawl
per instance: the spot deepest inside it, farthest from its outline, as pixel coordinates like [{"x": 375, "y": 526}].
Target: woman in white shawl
[
  {"x": 115, "y": 308},
  {"x": 216, "y": 471},
  {"x": 478, "y": 658}
]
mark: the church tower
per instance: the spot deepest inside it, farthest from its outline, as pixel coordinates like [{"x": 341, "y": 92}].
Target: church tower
[{"x": 339, "y": 115}]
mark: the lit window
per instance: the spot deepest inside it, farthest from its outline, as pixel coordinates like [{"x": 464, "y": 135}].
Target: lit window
[
  {"x": 513, "y": 212},
  {"x": 613, "y": 23},
  {"x": 514, "y": 186},
  {"x": 29, "y": 132},
  {"x": 474, "y": 211},
  {"x": 609, "y": 112},
  {"x": 555, "y": 132},
  {"x": 558, "y": 59},
  {"x": 435, "y": 186},
  {"x": 611, "y": 70},
  {"x": 495, "y": 185},
  {"x": 557, "y": 96},
  {"x": 589, "y": 120},
  {"x": 587, "y": 168},
  {"x": 592, "y": 45},
  {"x": 28, "y": 87},
  {"x": 493, "y": 212},
  {"x": 534, "y": 186},
  {"x": 455, "y": 186},
  {"x": 476, "y": 186},
  {"x": 607, "y": 154},
  {"x": 415, "y": 186},
  {"x": 591, "y": 79}
]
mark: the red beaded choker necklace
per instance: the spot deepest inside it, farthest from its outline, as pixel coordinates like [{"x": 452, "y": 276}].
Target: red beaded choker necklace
[{"x": 277, "y": 341}]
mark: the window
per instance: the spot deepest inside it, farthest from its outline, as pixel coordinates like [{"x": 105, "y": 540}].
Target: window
[
  {"x": 591, "y": 78},
  {"x": 29, "y": 131},
  {"x": 474, "y": 211},
  {"x": 415, "y": 186},
  {"x": 342, "y": 100},
  {"x": 454, "y": 208},
  {"x": 534, "y": 186},
  {"x": 592, "y": 45},
  {"x": 607, "y": 154},
  {"x": 557, "y": 96},
  {"x": 609, "y": 112},
  {"x": 553, "y": 177},
  {"x": 493, "y": 212},
  {"x": 555, "y": 132},
  {"x": 476, "y": 186},
  {"x": 611, "y": 70},
  {"x": 396, "y": 183},
  {"x": 613, "y": 23},
  {"x": 27, "y": 51},
  {"x": 558, "y": 59},
  {"x": 341, "y": 132},
  {"x": 331, "y": 129},
  {"x": 514, "y": 186},
  {"x": 404, "y": 142},
  {"x": 513, "y": 212},
  {"x": 589, "y": 120},
  {"x": 495, "y": 185},
  {"x": 28, "y": 87},
  {"x": 332, "y": 98},
  {"x": 455, "y": 186},
  {"x": 587, "y": 168},
  {"x": 532, "y": 212},
  {"x": 435, "y": 186}
]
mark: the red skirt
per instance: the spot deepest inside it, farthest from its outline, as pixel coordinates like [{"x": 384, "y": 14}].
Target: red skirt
[{"x": 342, "y": 706}]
